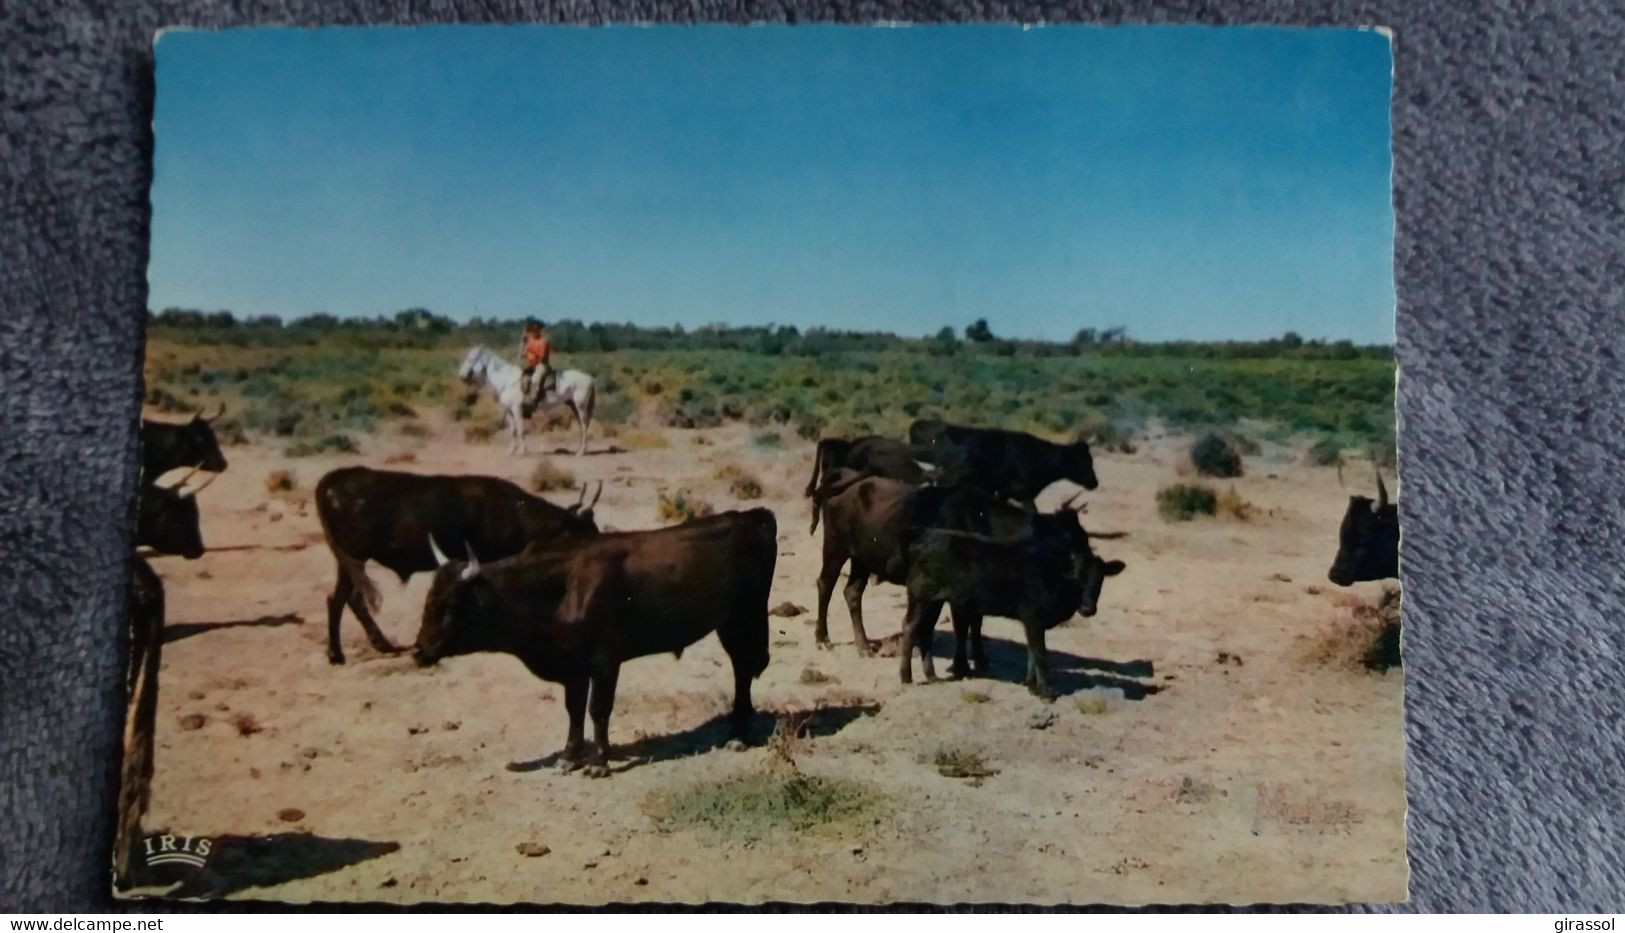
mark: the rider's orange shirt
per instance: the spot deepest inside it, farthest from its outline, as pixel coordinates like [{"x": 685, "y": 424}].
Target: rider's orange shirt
[{"x": 537, "y": 350}]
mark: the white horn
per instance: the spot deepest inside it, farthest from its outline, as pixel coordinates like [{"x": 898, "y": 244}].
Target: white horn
[
  {"x": 473, "y": 568},
  {"x": 167, "y": 481},
  {"x": 186, "y": 492},
  {"x": 439, "y": 558},
  {"x": 1382, "y": 491}
]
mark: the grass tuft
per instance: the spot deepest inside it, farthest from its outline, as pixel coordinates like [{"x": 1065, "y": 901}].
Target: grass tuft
[
  {"x": 961, "y": 763},
  {"x": 812, "y": 677},
  {"x": 682, "y": 506},
  {"x": 332, "y": 443},
  {"x": 1181, "y": 502},
  {"x": 1230, "y": 504},
  {"x": 281, "y": 481},
  {"x": 547, "y": 477},
  {"x": 741, "y": 484},
  {"x": 757, "y": 805}
]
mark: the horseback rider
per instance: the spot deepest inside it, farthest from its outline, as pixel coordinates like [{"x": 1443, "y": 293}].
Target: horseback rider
[{"x": 539, "y": 377}]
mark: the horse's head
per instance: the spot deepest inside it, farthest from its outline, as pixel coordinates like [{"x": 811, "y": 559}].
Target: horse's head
[{"x": 474, "y": 364}]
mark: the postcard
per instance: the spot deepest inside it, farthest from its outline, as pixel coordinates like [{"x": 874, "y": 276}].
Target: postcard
[{"x": 686, "y": 464}]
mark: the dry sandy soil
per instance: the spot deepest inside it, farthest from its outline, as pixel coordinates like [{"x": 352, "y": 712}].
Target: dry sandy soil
[{"x": 1254, "y": 768}]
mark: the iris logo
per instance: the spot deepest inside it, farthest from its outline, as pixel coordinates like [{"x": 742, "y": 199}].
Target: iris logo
[{"x": 178, "y": 850}]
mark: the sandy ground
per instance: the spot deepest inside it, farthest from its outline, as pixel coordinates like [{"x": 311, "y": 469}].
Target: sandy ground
[{"x": 1266, "y": 775}]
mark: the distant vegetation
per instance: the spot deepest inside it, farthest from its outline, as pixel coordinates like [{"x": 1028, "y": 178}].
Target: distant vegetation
[{"x": 322, "y": 377}]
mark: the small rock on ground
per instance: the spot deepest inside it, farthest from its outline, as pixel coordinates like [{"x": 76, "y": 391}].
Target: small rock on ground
[{"x": 1041, "y": 719}]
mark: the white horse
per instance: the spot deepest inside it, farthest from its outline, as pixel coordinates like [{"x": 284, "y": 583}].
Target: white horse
[{"x": 503, "y": 380}]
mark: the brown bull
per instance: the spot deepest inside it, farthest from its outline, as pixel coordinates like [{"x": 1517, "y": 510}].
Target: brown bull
[{"x": 574, "y": 613}]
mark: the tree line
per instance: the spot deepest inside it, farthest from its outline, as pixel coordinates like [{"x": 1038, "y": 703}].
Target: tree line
[{"x": 423, "y": 329}]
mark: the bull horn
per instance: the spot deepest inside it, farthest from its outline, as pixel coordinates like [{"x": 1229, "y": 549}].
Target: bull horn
[
  {"x": 596, "y": 495},
  {"x": 1068, "y": 505},
  {"x": 214, "y": 417},
  {"x": 581, "y": 496},
  {"x": 439, "y": 558},
  {"x": 1382, "y": 491},
  {"x": 1340, "y": 484},
  {"x": 167, "y": 484},
  {"x": 473, "y": 568},
  {"x": 187, "y": 492}
]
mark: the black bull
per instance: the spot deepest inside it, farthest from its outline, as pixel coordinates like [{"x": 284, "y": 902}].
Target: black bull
[
  {"x": 874, "y": 524},
  {"x": 388, "y": 517},
  {"x": 1007, "y": 464},
  {"x": 1032, "y": 580},
  {"x": 573, "y": 614},
  {"x": 191, "y": 443},
  {"x": 1367, "y": 540}
]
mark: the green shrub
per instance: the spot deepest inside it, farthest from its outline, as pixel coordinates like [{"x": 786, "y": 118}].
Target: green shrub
[
  {"x": 754, "y": 805},
  {"x": 332, "y": 443},
  {"x": 1325, "y": 452},
  {"x": 741, "y": 484},
  {"x": 681, "y": 506},
  {"x": 961, "y": 763},
  {"x": 1212, "y": 455},
  {"x": 547, "y": 477},
  {"x": 1181, "y": 502}
]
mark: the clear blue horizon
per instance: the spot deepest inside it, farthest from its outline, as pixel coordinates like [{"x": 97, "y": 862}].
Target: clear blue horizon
[{"x": 1187, "y": 183}]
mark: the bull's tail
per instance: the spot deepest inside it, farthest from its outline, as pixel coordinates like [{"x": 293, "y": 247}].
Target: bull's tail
[
  {"x": 830, "y": 491},
  {"x": 819, "y": 453}
]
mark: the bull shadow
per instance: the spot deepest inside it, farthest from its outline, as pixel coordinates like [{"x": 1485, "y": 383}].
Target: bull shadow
[
  {"x": 717, "y": 733},
  {"x": 238, "y": 863},
  {"x": 188, "y": 629},
  {"x": 1069, "y": 673}
]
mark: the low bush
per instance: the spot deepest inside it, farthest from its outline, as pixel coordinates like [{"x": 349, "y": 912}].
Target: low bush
[
  {"x": 1212, "y": 455},
  {"x": 754, "y": 805},
  {"x": 1325, "y": 452},
  {"x": 961, "y": 763},
  {"x": 547, "y": 477},
  {"x": 1230, "y": 504},
  {"x": 281, "y": 481},
  {"x": 681, "y": 506},
  {"x": 332, "y": 443},
  {"x": 1181, "y": 502},
  {"x": 741, "y": 484}
]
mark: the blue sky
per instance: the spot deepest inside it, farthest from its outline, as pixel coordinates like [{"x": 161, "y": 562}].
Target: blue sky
[{"x": 1184, "y": 182}]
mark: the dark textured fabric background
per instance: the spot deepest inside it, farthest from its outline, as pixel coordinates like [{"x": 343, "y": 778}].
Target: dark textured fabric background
[{"x": 1509, "y": 132}]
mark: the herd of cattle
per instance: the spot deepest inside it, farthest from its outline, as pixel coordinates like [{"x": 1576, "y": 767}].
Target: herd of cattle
[{"x": 949, "y": 514}]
